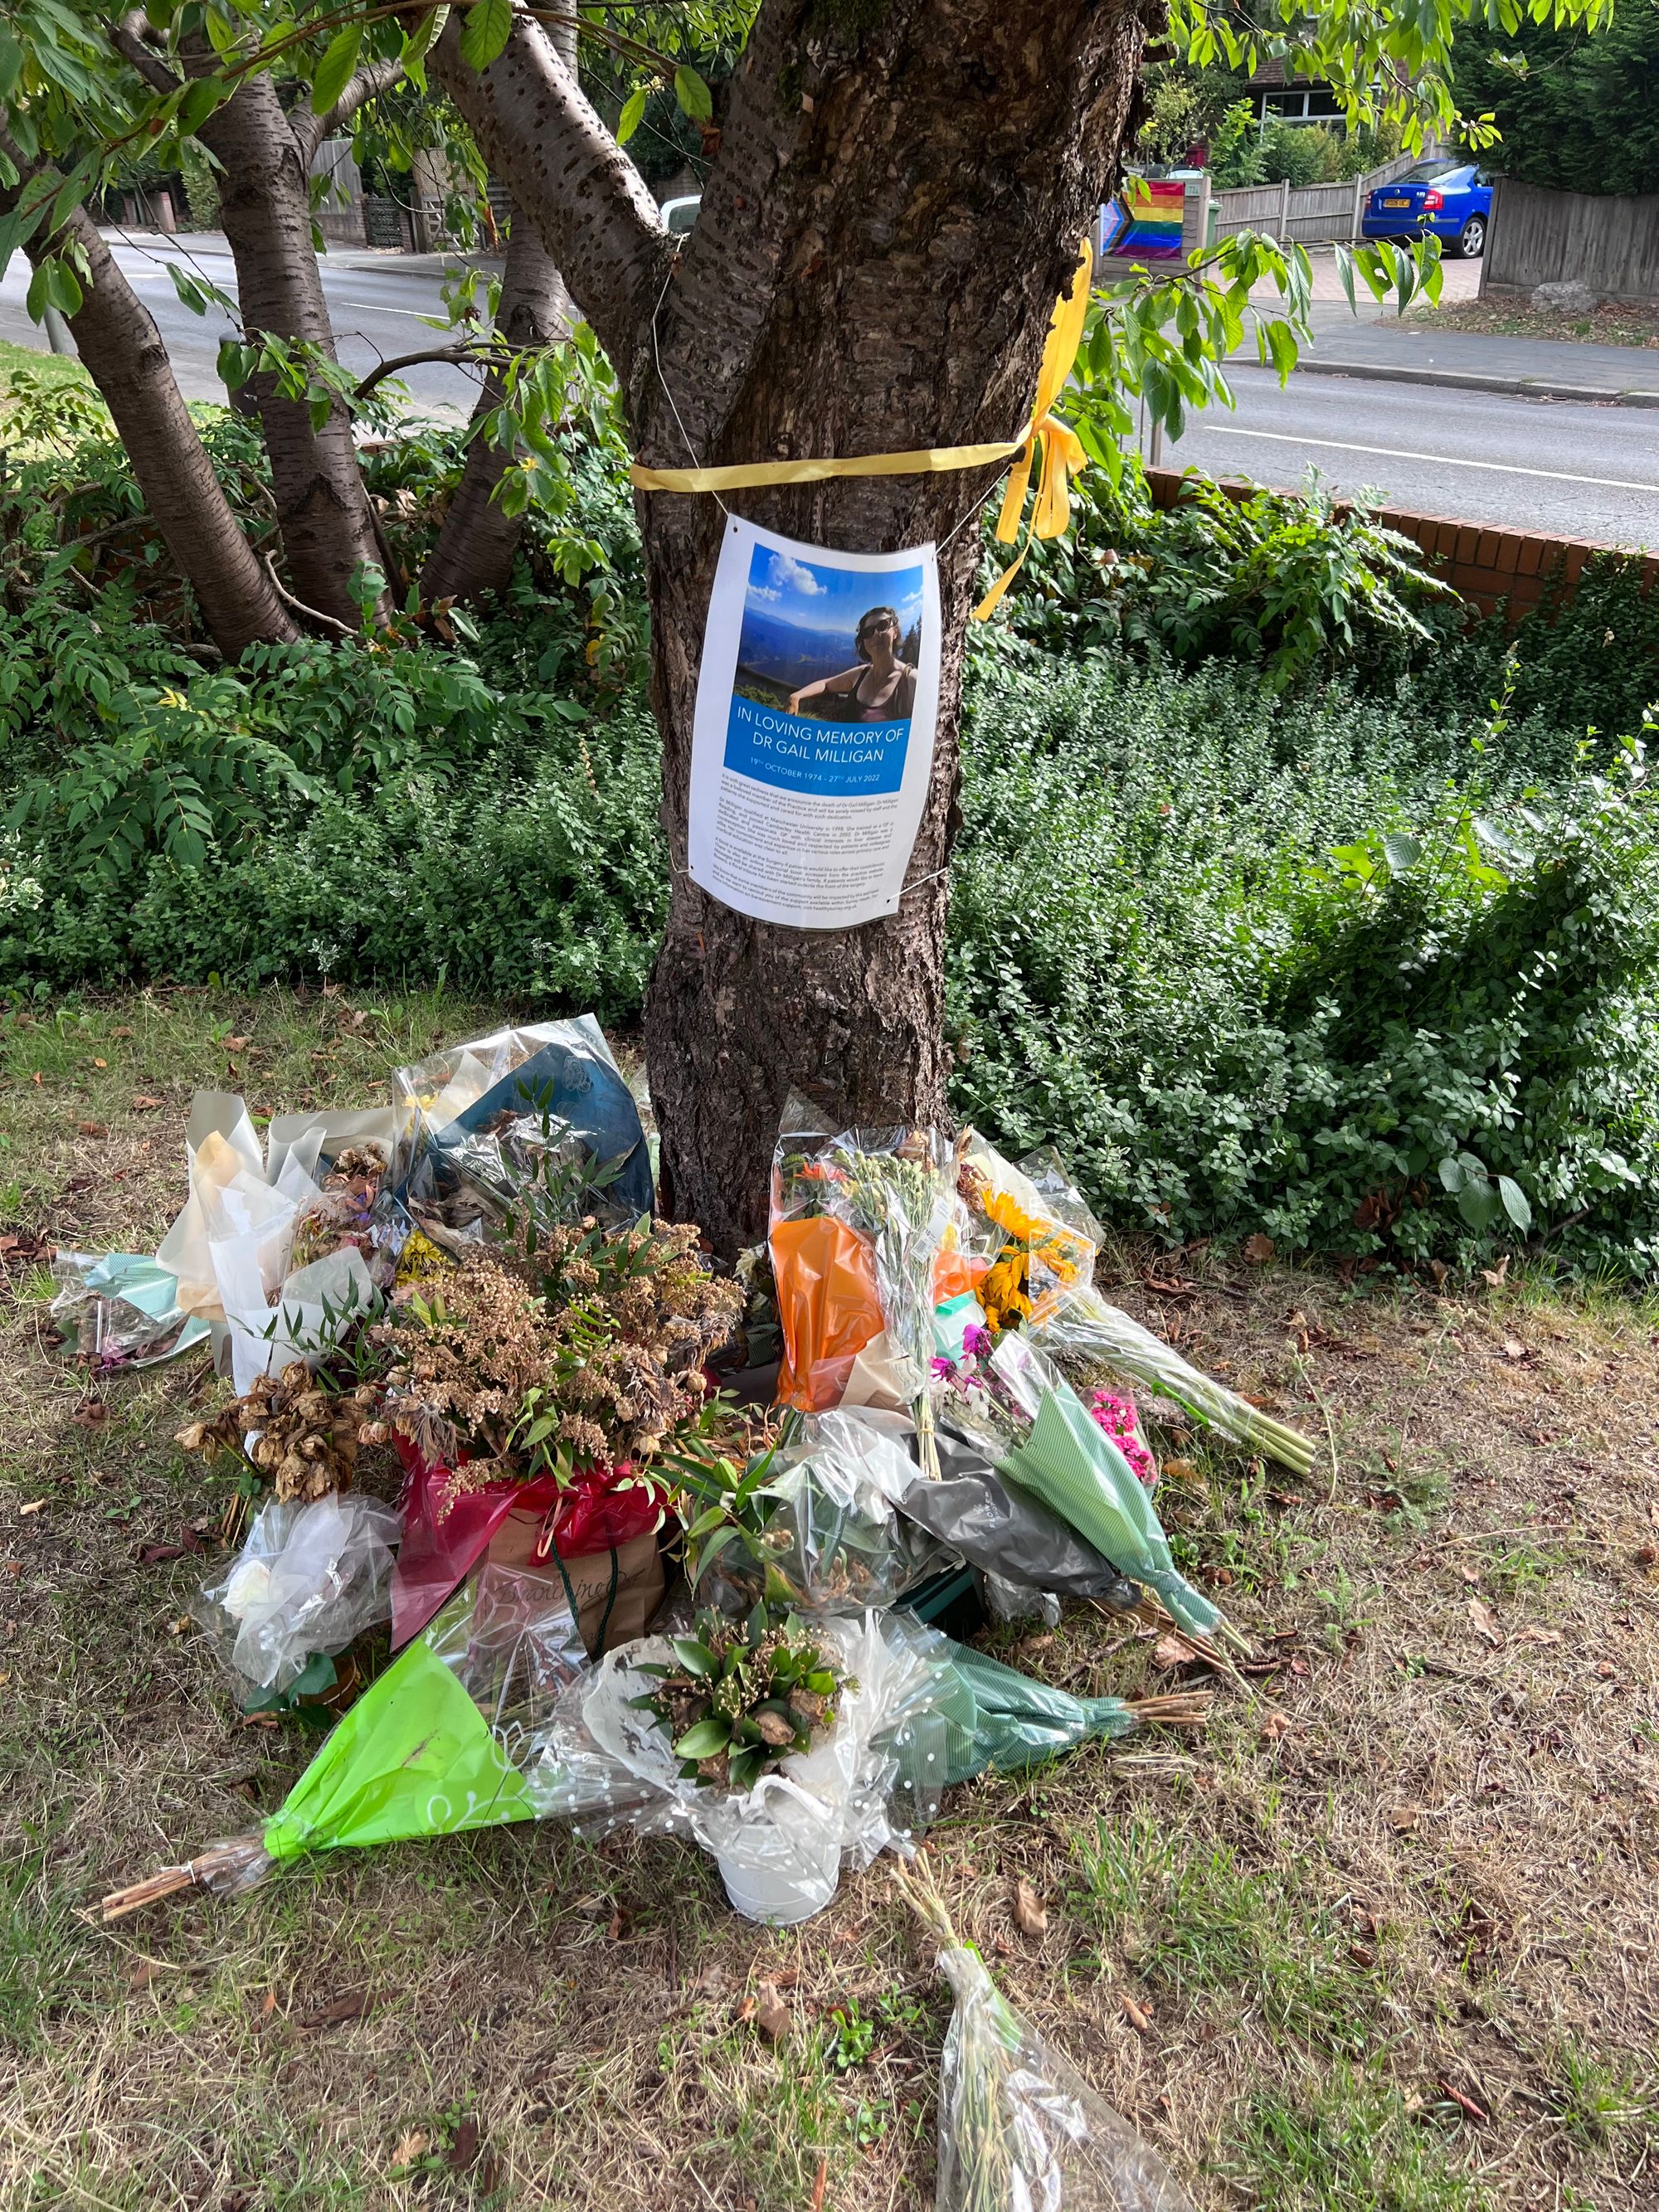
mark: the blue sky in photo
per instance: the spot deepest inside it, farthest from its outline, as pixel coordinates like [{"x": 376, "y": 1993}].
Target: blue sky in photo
[{"x": 784, "y": 590}]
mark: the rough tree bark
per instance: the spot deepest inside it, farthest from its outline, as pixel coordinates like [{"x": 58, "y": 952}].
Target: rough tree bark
[
  {"x": 474, "y": 551},
  {"x": 124, "y": 354},
  {"x": 322, "y": 505},
  {"x": 323, "y": 508},
  {"x": 893, "y": 212},
  {"x": 475, "y": 548}
]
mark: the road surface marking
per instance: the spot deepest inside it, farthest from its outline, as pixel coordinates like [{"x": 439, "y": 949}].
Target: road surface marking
[
  {"x": 1441, "y": 460},
  {"x": 373, "y": 307}
]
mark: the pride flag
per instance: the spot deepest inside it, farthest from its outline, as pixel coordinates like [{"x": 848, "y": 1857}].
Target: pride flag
[{"x": 1147, "y": 225}]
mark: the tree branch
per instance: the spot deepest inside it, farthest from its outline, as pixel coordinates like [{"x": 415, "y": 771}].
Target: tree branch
[
  {"x": 373, "y": 79},
  {"x": 127, "y": 37},
  {"x": 458, "y": 354},
  {"x": 299, "y": 607},
  {"x": 569, "y": 176}
]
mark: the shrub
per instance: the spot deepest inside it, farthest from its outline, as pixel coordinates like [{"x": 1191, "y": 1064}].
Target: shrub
[
  {"x": 1180, "y": 951},
  {"x": 1282, "y": 577}
]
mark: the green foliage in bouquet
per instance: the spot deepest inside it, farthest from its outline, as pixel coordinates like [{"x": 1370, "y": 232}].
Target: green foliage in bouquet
[{"x": 741, "y": 1697}]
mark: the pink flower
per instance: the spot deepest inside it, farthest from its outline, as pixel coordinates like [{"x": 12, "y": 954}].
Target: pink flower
[
  {"x": 977, "y": 1341},
  {"x": 1118, "y": 1416}
]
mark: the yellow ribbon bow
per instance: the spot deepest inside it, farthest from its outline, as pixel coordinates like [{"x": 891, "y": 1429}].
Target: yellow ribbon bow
[{"x": 1050, "y": 440}]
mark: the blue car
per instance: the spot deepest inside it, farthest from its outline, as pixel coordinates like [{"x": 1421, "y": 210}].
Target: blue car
[{"x": 1451, "y": 198}]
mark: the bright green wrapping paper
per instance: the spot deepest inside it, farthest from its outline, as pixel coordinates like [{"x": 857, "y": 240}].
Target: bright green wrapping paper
[{"x": 413, "y": 1757}]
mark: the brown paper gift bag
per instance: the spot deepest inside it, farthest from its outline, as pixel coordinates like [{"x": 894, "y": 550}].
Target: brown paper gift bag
[{"x": 616, "y": 1593}]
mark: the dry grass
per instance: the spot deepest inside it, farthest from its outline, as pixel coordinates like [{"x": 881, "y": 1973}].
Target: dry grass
[{"x": 1415, "y": 1856}]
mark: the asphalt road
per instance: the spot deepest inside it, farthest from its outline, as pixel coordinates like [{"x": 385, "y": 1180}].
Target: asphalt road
[
  {"x": 1571, "y": 469},
  {"x": 377, "y": 311},
  {"x": 1575, "y": 469}
]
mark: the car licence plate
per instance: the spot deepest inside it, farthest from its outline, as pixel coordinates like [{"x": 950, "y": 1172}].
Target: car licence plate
[{"x": 1396, "y": 203}]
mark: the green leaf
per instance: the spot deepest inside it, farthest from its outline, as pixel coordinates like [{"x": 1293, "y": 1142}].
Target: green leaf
[
  {"x": 64, "y": 287},
  {"x": 333, "y": 72},
  {"x": 1451, "y": 1176},
  {"x": 1404, "y": 853},
  {"x": 1514, "y": 1203},
  {"x": 489, "y": 26},
  {"x": 703, "y": 1740},
  {"x": 1477, "y": 1203},
  {"x": 693, "y": 95},
  {"x": 199, "y": 102},
  {"x": 697, "y": 1658},
  {"x": 629, "y": 121}
]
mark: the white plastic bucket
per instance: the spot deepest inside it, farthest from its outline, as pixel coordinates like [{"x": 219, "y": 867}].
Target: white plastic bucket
[{"x": 782, "y": 1863}]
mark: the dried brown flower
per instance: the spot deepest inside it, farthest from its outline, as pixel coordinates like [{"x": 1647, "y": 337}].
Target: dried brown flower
[{"x": 306, "y": 1437}]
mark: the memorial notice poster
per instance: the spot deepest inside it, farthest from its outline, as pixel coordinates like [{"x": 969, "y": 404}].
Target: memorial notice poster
[{"x": 813, "y": 740}]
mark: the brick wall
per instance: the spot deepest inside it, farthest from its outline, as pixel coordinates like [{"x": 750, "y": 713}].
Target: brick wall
[{"x": 1486, "y": 566}]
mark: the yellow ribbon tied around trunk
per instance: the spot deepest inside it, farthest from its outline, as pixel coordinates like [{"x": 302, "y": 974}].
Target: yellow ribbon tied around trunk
[
  {"x": 1046, "y": 444},
  {"x": 1050, "y": 445}
]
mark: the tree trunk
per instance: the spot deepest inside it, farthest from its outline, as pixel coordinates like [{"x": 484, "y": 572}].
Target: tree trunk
[
  {"x": 893, "y": 213},
  {"x": 473, "y": 555},
  {"x": 927, "y": 204},
  {"x": 322, "y": 507},
  {"x": 125, "y": 358}
]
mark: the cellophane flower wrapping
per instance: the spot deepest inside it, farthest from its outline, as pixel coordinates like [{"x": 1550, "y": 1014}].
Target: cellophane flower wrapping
[
  {"x": 835, "y": 1538},
  {"x": 1020, "y": 2129},
  {"x": 894, "y": 1190}
]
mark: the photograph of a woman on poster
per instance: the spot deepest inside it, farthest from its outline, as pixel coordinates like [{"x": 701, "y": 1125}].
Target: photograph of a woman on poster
[
  {"x": 882, "y": 688},
  {"x": 813, "y": 645}
]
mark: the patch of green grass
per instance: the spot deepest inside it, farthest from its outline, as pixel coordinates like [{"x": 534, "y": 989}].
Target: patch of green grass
[
  {"x": 1351, "y": 2146},
  {"x": 1196, "y": 1918},
  {"x": 1594, "y": 2103},
  {"x": 43, "y": 1965}
]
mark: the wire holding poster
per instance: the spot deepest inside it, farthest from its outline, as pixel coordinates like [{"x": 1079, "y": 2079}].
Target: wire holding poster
[{"x": 813, "y": 740}]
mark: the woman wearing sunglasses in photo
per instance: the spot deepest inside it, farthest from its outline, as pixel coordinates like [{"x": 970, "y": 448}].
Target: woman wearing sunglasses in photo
[{"x": 882, "y": 688}]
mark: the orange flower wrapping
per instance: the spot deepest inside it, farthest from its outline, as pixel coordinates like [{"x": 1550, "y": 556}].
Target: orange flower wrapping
[{"x": 828, "y": 1308}]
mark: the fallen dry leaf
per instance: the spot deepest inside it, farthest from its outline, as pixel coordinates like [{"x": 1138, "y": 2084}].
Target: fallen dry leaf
[
  {"x": 1464, "y": 2104},
  {"x": 353, "y": 2005},
  {"x": 100, "y": 1063},
  {"x": 1031, "y": 1914},
  {"x": 33, "y": 1506},
  {"x": 1605, "y": 1669},
  {"x": 1513, "y": 1348},
  {"x": 93, "y": 1130},
  {"x": 1480, "y": 1616},
  {"x": 1540, "y": 1635},
  {"x": 237, "y": 1044},
  {"x": 1403, "y": 1819},
  {"x": 1496, "y": 1275},
  {"x": 144, "y": 1104},
  {"x": 1171, "y": 1651},
  {"x": 92, "y": 1415},
  {"x": 1179, "y": 1470},
  {"x": 1138, "y": 2016},
  {"x": 410, "y": 2146},
  {"x": 771, "y": 2014},
  {"x": 463, "y": 2151},
  {"x": 1275, "y": 1726},
  {"x": 1362, "y": 1954},
  {"x": 820, "y": 2183},
  {"x": 1259, "y": 1248}
]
